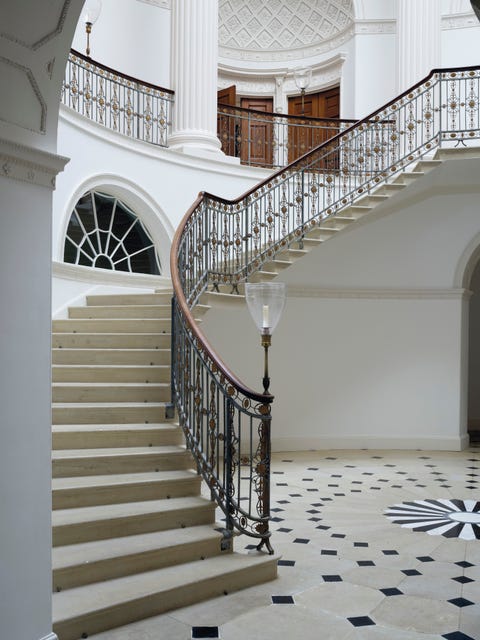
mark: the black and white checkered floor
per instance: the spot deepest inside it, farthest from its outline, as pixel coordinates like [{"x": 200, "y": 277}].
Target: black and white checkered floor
[{"x": 374, "y": 545}]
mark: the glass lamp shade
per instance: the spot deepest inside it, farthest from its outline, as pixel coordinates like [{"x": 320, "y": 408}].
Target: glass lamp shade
[
  {"x": 302, "y": 77},
  {"x": 91, "y": 11},
  {"x": 265, "y": 301}
]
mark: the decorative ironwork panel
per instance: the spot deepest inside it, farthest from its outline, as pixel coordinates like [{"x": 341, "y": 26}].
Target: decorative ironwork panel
[{"x": 120, "y": 103}]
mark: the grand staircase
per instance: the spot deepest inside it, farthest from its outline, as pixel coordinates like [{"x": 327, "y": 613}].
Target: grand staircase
[{"x": 132, "y": 534}]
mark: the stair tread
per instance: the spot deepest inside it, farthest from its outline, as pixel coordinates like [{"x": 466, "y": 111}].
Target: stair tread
[
  {"x": 104, "y": 452},
  {"x": 119, "y": 405},
  {"x": 122, "y": 479},
  {"x": 96, "y": 550},
  {"x": 141, "y": 426},
  {"x": 120, "y": 591},
  {"x": 119, "y": 384},
  {"x": 79, "y": 515}
]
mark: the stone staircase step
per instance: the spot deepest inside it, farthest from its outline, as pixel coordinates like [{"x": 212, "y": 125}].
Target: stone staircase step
[
  {"x": 107, "y": 412},
  {"x": 110, "y": 392},
  {"x": 87, "y": 491},
  {"x": 118, "y": 356},
  {"x": 112, "y": 325},
  {"x": 110, "y": 373},
  {"x": 406, "y": 177},
  {"x": 121, "y": 311},
  {"x": 276, "y": 265},
  {"x": 95, "y": 436},
  {"x": 94, "y": 462},
  {"x": 111, "y": 340},
  {"x": 135, "y": 299},
  {"x": 337, "y": 221},
  {"x": 262, "y": 276},
  {"x": 84, "y": 524},
  {"x": 93, "y": 608},
  {"x": 100, "y": 560}
]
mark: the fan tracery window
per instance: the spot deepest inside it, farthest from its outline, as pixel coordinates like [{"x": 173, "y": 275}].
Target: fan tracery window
[{"x": 103, "y": 232}]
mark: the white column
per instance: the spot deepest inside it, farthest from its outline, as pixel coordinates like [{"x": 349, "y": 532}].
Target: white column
[
  {"x": 27, "y": 178},
  {"x": 418, "y": 40},
  {"x": 194, "y": 63}
]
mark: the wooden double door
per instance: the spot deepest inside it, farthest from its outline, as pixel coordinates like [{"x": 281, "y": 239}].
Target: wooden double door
[{"x": 252, "y": 138}]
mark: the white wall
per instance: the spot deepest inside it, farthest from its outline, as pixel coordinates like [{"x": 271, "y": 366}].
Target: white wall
[
  {"x": 132, "y": 37},
  {"x": 371, "y": 349}
]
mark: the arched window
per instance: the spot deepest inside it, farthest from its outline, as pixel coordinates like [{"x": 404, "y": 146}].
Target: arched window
[{"x": 104, "y": 233}]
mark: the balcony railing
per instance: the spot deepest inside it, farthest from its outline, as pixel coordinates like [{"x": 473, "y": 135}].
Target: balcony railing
[
  {"x": 223, "y": 242},
  {"x": 272, "y": 140},
  {"x": 132, "y": 107}
]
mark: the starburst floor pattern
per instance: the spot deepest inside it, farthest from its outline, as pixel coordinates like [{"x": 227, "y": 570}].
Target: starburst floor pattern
[{"x": 450, "y": 518}]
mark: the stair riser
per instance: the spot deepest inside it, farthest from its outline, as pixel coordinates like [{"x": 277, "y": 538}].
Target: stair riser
[
  {"x": 110, "y": 341},
  {"x": 116, "y": 494},
  {"x": 111, "y": 394},
  {"x": 98, "y": 465},
  {"x": 125, "y": 312},
  {"x": 135, "y": 299},
  {"x": 131, "y": 525},
  {"x": 87, "y": 573},
  {"x": 111, "y": 326},
  {"x": 108, "y": 415},
  {"x": 142, "y": 357},
  {"x": 156, "y": 603},
  {"x": 85, "y": 439},
  {"x": 110, "y": 374}
]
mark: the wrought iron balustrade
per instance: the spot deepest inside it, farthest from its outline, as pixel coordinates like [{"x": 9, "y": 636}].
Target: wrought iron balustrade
[
  {"x": 272, "y": 140},
  {"x": 223, "y": 242},
  {"x": 132, "y": 107}
]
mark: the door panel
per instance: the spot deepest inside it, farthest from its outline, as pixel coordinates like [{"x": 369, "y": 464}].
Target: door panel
[
  {"x": 257, "y": 136},
  {"x": 226, "y": 124}
]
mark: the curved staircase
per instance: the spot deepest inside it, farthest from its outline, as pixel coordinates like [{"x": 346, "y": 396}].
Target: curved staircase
[{"x": 132, "y": 534}]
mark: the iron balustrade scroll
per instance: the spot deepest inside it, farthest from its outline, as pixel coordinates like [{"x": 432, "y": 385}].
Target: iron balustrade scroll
[
  {"x": 226, "y": 425},
  {"x": 222, "y": 243},
  {"x": 119, "y": 102},
  {"x": 272, "y": 140}
]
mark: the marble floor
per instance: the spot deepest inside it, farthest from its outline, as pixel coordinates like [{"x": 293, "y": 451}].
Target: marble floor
[{"x": 372, "y": 545}]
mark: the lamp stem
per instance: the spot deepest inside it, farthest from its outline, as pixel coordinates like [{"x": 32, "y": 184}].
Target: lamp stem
[
  {"x": 266, "y": 342},
  {"x": 88, "y": 29}
]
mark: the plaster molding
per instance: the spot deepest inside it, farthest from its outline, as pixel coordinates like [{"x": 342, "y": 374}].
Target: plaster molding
[
  {"x": 294, "y": 291},
  {"x": 161, "y": 4},
  {"x": 459, "y": 21},
  {"x": 261, "y": 29},
  {"x": 45, "y": 38},
  {"x": 27, "y": 164},
  {"x": 36, "y": 91},
  {"x": 267, "y": 81},
  {"x": 375, "y": 27}
]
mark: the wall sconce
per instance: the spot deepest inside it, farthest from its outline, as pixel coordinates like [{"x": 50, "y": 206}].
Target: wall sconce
[
  {"x": 265, "y": 301},
  {"x": 91, "y": 11},
  {"x": 302, "y": 77}
]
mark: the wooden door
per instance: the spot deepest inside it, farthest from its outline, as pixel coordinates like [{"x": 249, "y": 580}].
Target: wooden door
[
  {"x": 226, "y": 128},
  {"x": 302, "y": 138},
  {"x": 257, "y": 133}
]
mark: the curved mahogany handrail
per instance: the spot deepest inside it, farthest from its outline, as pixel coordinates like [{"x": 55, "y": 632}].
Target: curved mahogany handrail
[
  {"x": 120, "y": 74},
  {"x": 284, "y": 115},
  {"x": 182, "y": 303},
  {"x": 177, "y": 287}
]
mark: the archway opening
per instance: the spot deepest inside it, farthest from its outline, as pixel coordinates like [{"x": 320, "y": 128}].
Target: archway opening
[{"x": 474, "y": 358}]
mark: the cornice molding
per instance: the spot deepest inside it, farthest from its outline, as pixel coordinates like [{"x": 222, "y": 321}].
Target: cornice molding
[
  {"x": 294, "y": 291},
  {"x": 26, "y": 164},
  {"x": 263, "y": 81},
  {"x": 459, "y": 21},
  {"x": 161, "y": 4},
  {"x": 375, "y": 27}
]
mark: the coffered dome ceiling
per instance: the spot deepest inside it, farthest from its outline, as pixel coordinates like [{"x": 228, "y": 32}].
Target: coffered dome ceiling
[{"x": 263, "y": 29}]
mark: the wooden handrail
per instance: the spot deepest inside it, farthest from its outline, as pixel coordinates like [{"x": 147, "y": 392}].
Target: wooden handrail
[{"x": 119, "y": 74}]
